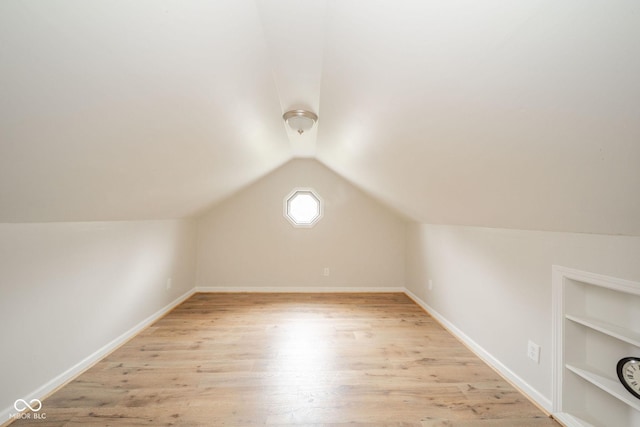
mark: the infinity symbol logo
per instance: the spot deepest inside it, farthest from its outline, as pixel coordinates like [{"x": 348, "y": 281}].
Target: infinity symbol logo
[{"x": 35, "y": 405}]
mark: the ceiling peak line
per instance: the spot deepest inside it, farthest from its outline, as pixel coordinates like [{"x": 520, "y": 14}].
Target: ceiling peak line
[{"x": 294, "y": 36}]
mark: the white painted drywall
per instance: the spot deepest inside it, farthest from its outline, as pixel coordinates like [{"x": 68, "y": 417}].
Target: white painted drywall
[
  {"x": 246, "y": 241},
  {"x": 495, "y": 284},
  {"x": 123, "y": 111},
  {"x": 68, "y": 289}
]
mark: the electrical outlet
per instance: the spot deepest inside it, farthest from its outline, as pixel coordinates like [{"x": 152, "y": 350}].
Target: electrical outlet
[
  {"x": 533, "y": 351},
  {"x": 430, "y": 284},
  {"x": 326, "y": 271},
  {"x": 169, "y": 283}
]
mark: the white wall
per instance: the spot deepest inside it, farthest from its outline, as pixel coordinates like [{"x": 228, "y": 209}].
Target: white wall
[
  {"x": 495, "y": 284},
  {"x": 68, "y": 289},
  {"x": 246, "y": 241}
]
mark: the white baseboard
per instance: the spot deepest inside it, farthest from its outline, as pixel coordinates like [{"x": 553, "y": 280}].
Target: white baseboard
[
  {"x": 533, "y": 394},
  {"x": 299, "y": 289},
  {"x": 71, "y": 373}
]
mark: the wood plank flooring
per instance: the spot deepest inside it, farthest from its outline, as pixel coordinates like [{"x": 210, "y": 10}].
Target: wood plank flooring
[{"x": 292, "y": 360}]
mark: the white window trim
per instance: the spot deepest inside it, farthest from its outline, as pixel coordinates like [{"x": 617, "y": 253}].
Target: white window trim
[{"x": 314, "y": 193}]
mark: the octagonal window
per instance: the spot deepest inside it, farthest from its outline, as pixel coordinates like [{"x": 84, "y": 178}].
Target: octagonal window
[{"x": 303, "y": 207}]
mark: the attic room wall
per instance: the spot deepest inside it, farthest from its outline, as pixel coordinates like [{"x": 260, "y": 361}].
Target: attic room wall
[
  {"x": 68, "y": 289},
  {"x": 495, "y": 284},
  {"x": 246, "y": 242}
]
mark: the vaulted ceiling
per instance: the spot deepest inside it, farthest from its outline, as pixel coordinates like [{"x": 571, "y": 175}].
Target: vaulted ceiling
[{"x": 496, "y": 113}]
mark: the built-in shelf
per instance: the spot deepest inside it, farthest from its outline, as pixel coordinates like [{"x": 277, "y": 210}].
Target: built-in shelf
[
  {"x": 594, "y": 328},
  {"x": 572, "y": 420},
  {"x": 613, "y": 387},
  {"x": 623, "y": 334}
]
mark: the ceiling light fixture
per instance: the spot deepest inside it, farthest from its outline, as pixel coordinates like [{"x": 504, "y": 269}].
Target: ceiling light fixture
[{"x": 300, "y": 120}]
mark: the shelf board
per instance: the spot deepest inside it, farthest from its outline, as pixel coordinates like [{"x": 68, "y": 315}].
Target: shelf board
[
  {"x": 572, "y": 420},
  {"x": 613, "y": 387},
  {"x": 623, "y": 334}
]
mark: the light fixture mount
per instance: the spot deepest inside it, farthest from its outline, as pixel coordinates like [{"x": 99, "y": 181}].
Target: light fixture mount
[{"x": 300, "y": 121}]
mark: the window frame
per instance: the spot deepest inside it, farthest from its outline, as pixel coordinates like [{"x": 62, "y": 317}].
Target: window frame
[{"x": 305, "y": 190}]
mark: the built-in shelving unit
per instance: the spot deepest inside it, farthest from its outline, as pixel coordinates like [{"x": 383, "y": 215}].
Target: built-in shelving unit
[{"x": 596, "y": 323}]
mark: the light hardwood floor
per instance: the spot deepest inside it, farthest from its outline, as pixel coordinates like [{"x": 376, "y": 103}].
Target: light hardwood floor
[{"x": 292, "y": 359}]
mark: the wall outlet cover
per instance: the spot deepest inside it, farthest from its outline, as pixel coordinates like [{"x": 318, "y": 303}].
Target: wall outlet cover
[{"x": 533, "y": 351}]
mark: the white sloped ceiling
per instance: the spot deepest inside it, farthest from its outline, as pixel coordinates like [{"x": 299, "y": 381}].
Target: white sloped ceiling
[
  {"x": 490, "y": 113},
  {"x": 132, "y": 110},
  {"x": 487, "y": 113}
]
